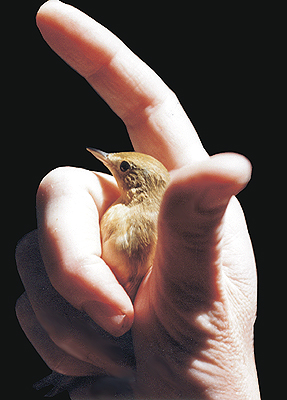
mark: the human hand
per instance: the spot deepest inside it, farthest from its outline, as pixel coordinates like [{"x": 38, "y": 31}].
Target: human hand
[{"x": 194, "y": 313}]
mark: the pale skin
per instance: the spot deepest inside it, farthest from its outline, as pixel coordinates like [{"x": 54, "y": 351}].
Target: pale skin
[{"x": 193, "y": 317}]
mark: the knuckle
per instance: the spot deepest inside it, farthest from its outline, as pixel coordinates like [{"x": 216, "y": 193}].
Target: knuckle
[
  {"x": 21, "y": 307},
  {"x": 50, "y": 342},
  {"x": 23, "y": 249},
  {"x": 52, "y": 180},
  {"x": 55, "y": 324}
]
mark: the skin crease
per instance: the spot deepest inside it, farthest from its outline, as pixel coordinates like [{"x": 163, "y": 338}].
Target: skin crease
[{"x": 193, "y": 316}]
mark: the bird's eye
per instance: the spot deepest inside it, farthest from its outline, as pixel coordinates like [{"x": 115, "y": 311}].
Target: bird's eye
[{"x": 124, "y": 166}]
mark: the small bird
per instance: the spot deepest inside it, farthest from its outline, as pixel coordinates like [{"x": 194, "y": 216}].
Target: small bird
[{"x": 129, "y": 226}]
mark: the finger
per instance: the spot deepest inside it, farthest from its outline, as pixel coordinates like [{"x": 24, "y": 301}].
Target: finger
[
  {"x": 69, "y": 201},
  {"x": 155, "y": 120},
  {"x": 56, "y": 359},
  {"x": 191, "y": 229},
  {"x": 70, "y": 330}
]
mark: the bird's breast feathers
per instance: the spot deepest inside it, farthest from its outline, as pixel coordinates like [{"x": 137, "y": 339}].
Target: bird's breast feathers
[{"x": 129, "y": 238}]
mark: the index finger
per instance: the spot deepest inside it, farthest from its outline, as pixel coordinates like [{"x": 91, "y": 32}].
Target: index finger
[
  {"x": 156, "y": 122},
  {"x": 69, "y": 205}
]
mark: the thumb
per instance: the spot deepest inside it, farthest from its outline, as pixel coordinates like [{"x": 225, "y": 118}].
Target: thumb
[{"x": 188, "y": 260}]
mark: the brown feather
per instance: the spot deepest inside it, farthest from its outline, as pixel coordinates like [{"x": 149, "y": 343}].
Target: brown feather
[{"x": 129, "y": 226}]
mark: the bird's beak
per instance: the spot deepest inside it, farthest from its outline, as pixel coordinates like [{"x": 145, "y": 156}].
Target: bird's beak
[{"x": 101, "y": 155}]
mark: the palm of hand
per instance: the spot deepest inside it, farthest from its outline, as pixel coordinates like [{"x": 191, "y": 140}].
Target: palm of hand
[
  {"x": 195, "y": 312},
  {"x": 189, "y": 337}
]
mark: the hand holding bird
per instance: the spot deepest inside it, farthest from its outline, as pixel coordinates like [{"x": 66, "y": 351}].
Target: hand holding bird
[{"x": 193, "y": 315}]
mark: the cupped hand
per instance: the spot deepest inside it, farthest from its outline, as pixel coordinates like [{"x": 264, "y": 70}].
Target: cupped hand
[
  {"x": 55, "y": 320},
  {"x": 192, "y": 321}
]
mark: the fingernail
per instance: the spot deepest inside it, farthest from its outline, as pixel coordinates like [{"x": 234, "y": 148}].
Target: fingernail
[{"x": 109, "y": 318}]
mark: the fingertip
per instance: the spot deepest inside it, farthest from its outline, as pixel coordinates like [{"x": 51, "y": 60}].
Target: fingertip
[
  {"x": 44, "y": 10},
  {"x": 49, "y": 18},
  {"x": 205, "y": 187},
  {"x": 232, "y": 168},
  {"x": 116, "y": 321}
]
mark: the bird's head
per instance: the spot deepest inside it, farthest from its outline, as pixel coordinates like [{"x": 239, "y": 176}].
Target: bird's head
[{"x": 139, "y": 176}]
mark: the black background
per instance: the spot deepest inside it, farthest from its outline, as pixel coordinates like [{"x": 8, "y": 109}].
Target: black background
[{"x": 220, "y": 59}]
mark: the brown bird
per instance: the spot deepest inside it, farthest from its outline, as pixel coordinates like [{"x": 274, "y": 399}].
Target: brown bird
[{"x": 129, "y": 226}]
